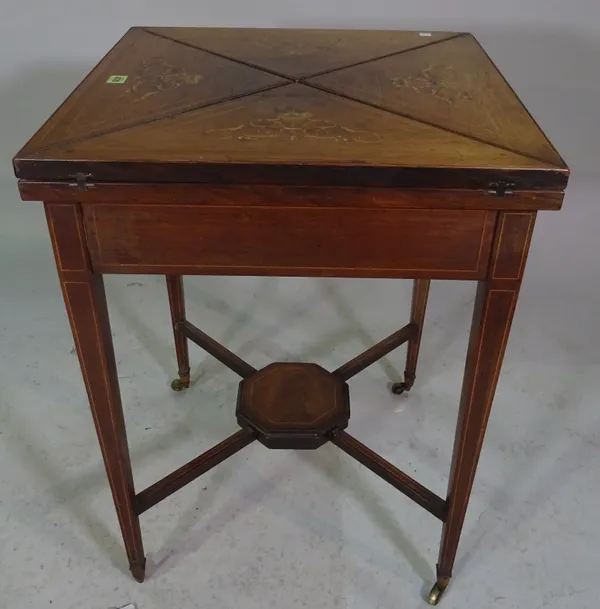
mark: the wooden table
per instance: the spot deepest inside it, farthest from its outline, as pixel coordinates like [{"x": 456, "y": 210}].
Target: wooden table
[{"x": 293, "y": 153}]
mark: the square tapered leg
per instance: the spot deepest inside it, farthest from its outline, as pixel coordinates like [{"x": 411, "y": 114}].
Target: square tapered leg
[
  {"x": 492, "y": 318},
  {"x": 417, "y": 316},
  {"x": 85, "y": 301},
  {"x": 177, "y": 305}
]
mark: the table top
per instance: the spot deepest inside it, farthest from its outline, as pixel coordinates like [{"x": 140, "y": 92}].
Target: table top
[{"x": 295, "y": 107}]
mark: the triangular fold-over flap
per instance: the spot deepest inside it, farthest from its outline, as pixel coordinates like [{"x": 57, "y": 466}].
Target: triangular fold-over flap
[
  {"x": 296, "y": 125},
  {"x": 146, "y": 78},
  {"x": 452, "y": 85},
  {"x": 298, "y": 53}
]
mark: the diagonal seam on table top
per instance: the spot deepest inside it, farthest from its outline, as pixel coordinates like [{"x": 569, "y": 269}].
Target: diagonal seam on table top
[
  {"x": 523, "y": 106},
  {"x": 430, "y": 124},
  {"x": 217, "y": 54},
  {"x": 385, "y": 56},
  {"x": 418, "y": 49},
  {"x": 159, "y": 117},
  {"x": 301, "y": 79},
  {"x": 118, "y": 51},
  {"x": 316, "y": 88}
]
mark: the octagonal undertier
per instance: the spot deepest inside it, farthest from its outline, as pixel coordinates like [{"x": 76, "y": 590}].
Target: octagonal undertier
[{"x": 293, "y": 405}]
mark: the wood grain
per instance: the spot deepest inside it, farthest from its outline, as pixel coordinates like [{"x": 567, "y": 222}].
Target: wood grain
[
  {"x": 418, "y": 307},
  {"x": 236, "y": 106},
  {"x": 163, "y": 80},
  {"x": 218, "y": 351},
  {"x": 512, "y": 245},
  {"x": 298, "y": 53},
  {"x": 290, "y": 126},
  {"x": 85, "y": 302},
  {"x": 376, "y": 352},
  {"x": 293, "y": 405},
  {"x": 190, "y": 471},
  {"x": 492, "y": 318},
  {"x": 391, "y": 474},
  {"x": 491, "y": 324},
  {"x": 177, "y": 307},
  {"x": 452, "y": 85},
  {"x": 368, "y": 243},
  {"x": 289, "y": 196}
]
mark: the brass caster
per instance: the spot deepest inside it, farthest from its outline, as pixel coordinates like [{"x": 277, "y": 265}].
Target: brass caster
[
  {"x": 436, "y": 594},
  {"x": 179, "y": 385},
  {"x": 398, "y": 388}
]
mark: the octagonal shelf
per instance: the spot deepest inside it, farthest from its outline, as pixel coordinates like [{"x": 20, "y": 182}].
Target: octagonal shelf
[{"x": 293, "y": 405}]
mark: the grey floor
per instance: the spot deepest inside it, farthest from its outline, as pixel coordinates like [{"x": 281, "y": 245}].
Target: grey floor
[{"x": 290, "y": 529}]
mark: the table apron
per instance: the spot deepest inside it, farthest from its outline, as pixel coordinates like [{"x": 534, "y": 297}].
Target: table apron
[{"x": 284, "y": 241}]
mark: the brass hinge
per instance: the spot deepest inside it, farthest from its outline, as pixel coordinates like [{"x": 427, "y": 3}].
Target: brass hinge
[
  {"x": 501, "y": 188},
  {"x": 81, "y": 181}
]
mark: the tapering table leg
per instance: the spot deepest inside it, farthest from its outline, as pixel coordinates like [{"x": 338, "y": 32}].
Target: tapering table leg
[
  {"x": 494, "y": 308},
  {"x": 417, "y": 316},
  {"x": 85, "y": 301},
  {"x": 177, "y": 305}
]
